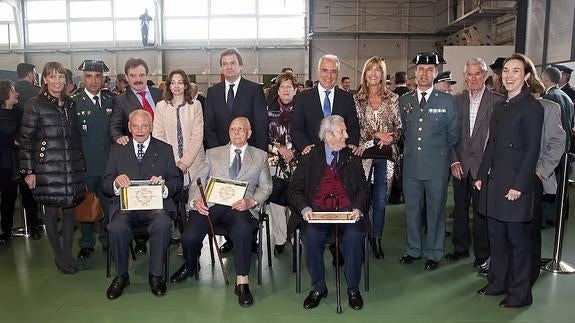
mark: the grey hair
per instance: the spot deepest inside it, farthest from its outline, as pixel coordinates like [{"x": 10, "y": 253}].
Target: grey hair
[
  {"x": 328, "y": 125},
  {"x": 140, "y": 112},
  {"x": 328, "y": 57},
  {"x": 475, "y": 61}
]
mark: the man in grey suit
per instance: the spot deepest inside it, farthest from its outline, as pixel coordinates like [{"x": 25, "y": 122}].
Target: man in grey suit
[
  {"x": 474, "y": 107},
  {"x": 552, "y": 150},
  {"x": 431, "y": 130},
  {"x": 241, "y": 162}
]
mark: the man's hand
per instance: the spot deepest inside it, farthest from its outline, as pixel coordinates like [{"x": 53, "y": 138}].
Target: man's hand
[
  {"x": 243, "y": 205},
  {"x": 122, "y": 140},
  {"x": 30, "y": 181},
  {"x": 457, "y": 170},
  {"x": 307, "y": 149},
  {"x": 122, "y": 181},
  {"x": 286, "y": 154},
  {"x": 358, "y": 151},
  {"x": 356, "y": 214},
  {"x": 157, "y": 180},
  {"x": 477, "y": 185},
  {"x": 200, "y": 207},
  {"x": 513, "y": 195},
  {"x": 385, "y": 138},
  {"x": 307, "y": 215}
]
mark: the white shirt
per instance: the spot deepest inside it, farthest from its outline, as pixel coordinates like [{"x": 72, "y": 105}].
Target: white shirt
[
  {"x": 235, "y": 88},
  {"x": 474, "y": 102},
  {"x": 233, "y": 153},
  {"x": 427, "y": 94},
  {"x": 321, "y": 91},
  {"x": 91, "y": 96}
]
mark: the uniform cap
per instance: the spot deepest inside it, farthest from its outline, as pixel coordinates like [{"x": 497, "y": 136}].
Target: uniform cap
[
  {"x": 444, "y": 77},
  {"x": 91, "y": 65},
  {"x": 428, "y": 58}
]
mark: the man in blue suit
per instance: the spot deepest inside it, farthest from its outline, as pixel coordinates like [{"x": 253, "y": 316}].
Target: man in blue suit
[{"x": 431, "y": 130}]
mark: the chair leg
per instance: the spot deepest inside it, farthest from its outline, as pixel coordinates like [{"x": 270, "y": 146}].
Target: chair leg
[
  {"x": 267, "y": 222},
  {"x": 298, "y": 261},
  {"x": 260, "y": 251},
  {"x": 132, "y": 250},
  {"x": 366, "y": 264},
  {"x": 197, "y": 268},
  {"x": 167, "y": 265}
]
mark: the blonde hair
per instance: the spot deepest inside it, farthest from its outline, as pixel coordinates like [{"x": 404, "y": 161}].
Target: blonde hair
[{"x": 383, "y": 86}]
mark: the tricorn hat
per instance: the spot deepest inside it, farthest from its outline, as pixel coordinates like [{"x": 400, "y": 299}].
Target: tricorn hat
[
  {"x": 91, "y": 65},
  {"x": 428, "y": 58},
  {"x": 444, "y": 77}
]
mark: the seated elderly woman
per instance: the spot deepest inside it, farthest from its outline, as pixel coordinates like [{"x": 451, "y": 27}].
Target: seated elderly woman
[{"x": 318, "y": 180}]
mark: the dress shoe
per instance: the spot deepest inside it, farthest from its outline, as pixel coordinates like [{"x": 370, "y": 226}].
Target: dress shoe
[
  {"x": 339, "y": 255},
  {"x": 480, "y": 263},
  {"x": 181, "y": 275},
  {"x": 67, "y": 269},
  {"x": 226, "y": 247},
  {"x": 485, "y": 290},
  {"x": 157, "y": 285},
  {"x": 140, "y": 248},
  {"x": 35, "y": 235},
  {"x": 5, "y": 237},
  {"x": 407, "y": 259},
  {"x": 279, "y": 249},
  {"x": 312, "y": 300},
  {"x": 457, "y": 255},
  {"x": 483, "y": 271},
  {"x": 117, "y": 287},
  {"x": 376, "y": 248},
  {"x": 431, "y": 265},
  {"x": 506, "y": 303},
  {"x": 85, "y": 253},
  {"x": 245, "y": 297},
  {"x": 355, "y": 300}
]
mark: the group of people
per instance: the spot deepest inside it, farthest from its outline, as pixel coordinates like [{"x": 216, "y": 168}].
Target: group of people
[{"x": 500, "y": 150}]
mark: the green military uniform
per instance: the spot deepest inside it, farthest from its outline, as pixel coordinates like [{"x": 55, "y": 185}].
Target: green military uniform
[
  {"x": 431, "y": 131},
  {"x": 96, "y": 142}
]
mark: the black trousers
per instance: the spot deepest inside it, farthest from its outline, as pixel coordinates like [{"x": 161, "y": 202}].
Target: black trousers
[
  {"x": 62, "y": 247},
  {"x": 238, "y": 225},
  {"x": 535, "y": 231},
  {"x": 8, "y": 194},
  {"x": 464, "y": 194},
  {"x": 30, "y": 205},
  {"x": 156, "y": 222}
]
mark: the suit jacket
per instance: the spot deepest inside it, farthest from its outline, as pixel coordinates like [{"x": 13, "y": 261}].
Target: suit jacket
[
  {"x": 26, "y": 91},
  {"x": 255, "y": 170},
  {"x": 122, "y": 106},
  {"x": 569, "y": 91},
  {"x": 308, "y": 113},
  {"x": 401, "y": 90},
  {"x": 249, "y": 102},
  {"x": 556, "y": 95},
  {"x": 430, "y": 134},
  {"x": 552, "y": 146},
  {"x": 510, "y": 158},
  {"x": 94, "y": 130},
  {"x": 469, "y": 149},
  {"x": 157, "y": 161}
]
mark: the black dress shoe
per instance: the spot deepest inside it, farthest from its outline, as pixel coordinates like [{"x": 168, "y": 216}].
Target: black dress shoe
[
  {"x": 85, "y": 253},
  {"x": 245, "y": 297},
  {"x": 157, "y": 285},
  {"x": 457, "y": 255},
  {"x": 140, "y": 248},
  {"x": 485, "y": 290},
  {"x": 480, "y": 263},
  {"x": 226, "y": 247},
  {"x": 355, "y": 300},
  {"x": 279, "y": 249},
  {"x": 407, "y": 259},
  {"x": 431, "y": 265},
  {"x": 376, "y": 248},
  {"x": 483, "y": 271},
  {"x": 117, "y": 286},
  {"x": 5, "y": 237},
  {"x": 181, "y": 275},
  {"x": 506, "y": 303},
  {"x": 312, "y": 300}
]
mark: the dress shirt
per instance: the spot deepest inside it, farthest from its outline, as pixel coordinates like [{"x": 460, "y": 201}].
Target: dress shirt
[
  {"x": 235, "y": 89},
  {"x": 474, "y": 102},
  {"x": 233, "y": 153},
  {"x": 148, "y": 97},
  {"x": 427, "y": 94},
  {"x": 321, "y": 91},
  {"x": 91, "y": 96},
  {"x": 328, "y": 154}
]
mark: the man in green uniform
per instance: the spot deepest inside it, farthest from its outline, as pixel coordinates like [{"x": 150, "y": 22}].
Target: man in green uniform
[{"x": 94, "y": 106}]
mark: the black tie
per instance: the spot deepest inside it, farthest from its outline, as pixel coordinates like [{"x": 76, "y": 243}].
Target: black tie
[
  {"x": 140, "y": 154},
  {"x": 230, "y": 99},
  {"x": 97, "y": 99},
  {"x": 334, "y": 160},
  {"x": 236, "y": 164},
  {"x": 423, "y": 101}
]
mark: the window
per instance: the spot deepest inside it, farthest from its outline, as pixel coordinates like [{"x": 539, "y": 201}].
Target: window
[
  {"x": 282, "y": 27},
  {"x": 182, "y": 29},
  {"x": 6, "y": 12},
  {"x": 133, "y": 9},
  {"x": 234, "y": 7},
  {"x": 91, "y": 31},
  {"x": 179, "y": 8},
  {"x": 46, "y": 10},
  {"x": 130, "y": 30},
  {"x": 47, "y": 32},
  {"x": 281, "y": 7},
  {"x": 4, "y": 28},
  {"x": 233, "y": 28},
  {"x": 89, "y": 9}
]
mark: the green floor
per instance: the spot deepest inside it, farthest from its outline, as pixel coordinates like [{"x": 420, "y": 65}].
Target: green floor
[{"x": 34, "y": 291}]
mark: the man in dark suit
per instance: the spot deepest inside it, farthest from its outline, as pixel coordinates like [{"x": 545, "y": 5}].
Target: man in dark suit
[
  {"x": 400, "y": 87},
  {"x": 310, "y": 107},
  {"x": 551, "y": 77},
  {"x": 564, "y": 81},
  {"x": 237, "y": 161},
  {"x": 431, "y": 130},
  {"x": 330, "y": 177},
  {"x": 474, "y": 107},
  {"x": 94, "y": 105},
  {"x": 234, "y": 97},
  {"x": 142, "y": 158},
  {"x": 137, "y": 96}
]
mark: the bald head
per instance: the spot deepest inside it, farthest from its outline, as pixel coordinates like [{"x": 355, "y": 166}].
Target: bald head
[{"x": 140, "y": 125}]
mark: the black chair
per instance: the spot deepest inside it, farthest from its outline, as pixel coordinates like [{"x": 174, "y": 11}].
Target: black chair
[
  {"x": 262, "y": 220},
  {"x": 297, "y": 261}
]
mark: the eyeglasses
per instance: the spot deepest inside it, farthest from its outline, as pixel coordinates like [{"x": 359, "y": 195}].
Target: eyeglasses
[
  {"x": 238, "y": 129},
  {"x": 143, "y": 127}
]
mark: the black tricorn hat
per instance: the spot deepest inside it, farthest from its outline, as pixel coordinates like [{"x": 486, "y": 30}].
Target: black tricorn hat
[
  {"x": 444, "y": 77},
  {"x": 91, "y": 65},
  {"x": 497, "y": 64},
  {"x": 563, "y": 68},
  {"x": 428, "y": 58}
]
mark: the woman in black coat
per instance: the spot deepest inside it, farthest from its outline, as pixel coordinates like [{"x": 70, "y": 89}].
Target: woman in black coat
[
  {"x": 51, "y": 158},
  {"x": 507, "y": 180},
  {"x": 9, "y": 120}
]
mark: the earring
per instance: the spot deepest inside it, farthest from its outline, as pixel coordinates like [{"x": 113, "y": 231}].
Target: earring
[{"x": 526, "y": 84}]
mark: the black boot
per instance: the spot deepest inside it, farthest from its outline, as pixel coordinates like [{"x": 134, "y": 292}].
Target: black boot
[{"x": 376, "y": 248}]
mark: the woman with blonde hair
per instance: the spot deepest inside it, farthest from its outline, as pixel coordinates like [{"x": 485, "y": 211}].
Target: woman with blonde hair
[{"x": 380, "y": 125}]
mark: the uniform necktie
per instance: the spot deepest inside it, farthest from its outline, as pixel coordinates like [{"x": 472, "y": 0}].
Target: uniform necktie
[
  {"x": 147, "y": 106},
  {"x": 236, "y": 164},
  {"x": 97, "y": 99},
  {"x": 179, "y": 134},
  {"x": 334, "y": 160},
  {"x": 326, "y": 105},
  {"x": 140, "y": 154},
  {"x": 423, "y": 101},
  {"x": 230, "y": 98}
]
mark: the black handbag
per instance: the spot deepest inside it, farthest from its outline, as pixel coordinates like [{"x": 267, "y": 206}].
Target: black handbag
[{"x": 280, "y": 185}]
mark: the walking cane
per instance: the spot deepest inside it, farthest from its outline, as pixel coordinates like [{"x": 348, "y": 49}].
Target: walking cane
[
  {"x": 213, "y": 232},
  {"x": 337, "y": 274}
]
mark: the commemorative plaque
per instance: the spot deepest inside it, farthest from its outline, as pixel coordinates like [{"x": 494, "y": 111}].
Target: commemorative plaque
[
  {"x": 141, "y": 195},
  {"x": 225, "y": 191},
  {"x": 331, "y": 217}
]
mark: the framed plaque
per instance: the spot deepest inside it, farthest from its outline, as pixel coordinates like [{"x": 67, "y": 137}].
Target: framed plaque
[
  {"x": 141, "y": 195},
  {"x": 225, "y": 191},
  {"x": 331, "y": 217}
]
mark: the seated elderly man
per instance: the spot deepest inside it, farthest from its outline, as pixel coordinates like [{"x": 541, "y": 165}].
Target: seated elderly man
[
  {"x": 331, "y": 172},
  {"x": 143, "y": 158},
  {"x": 238, "y": 161}
]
